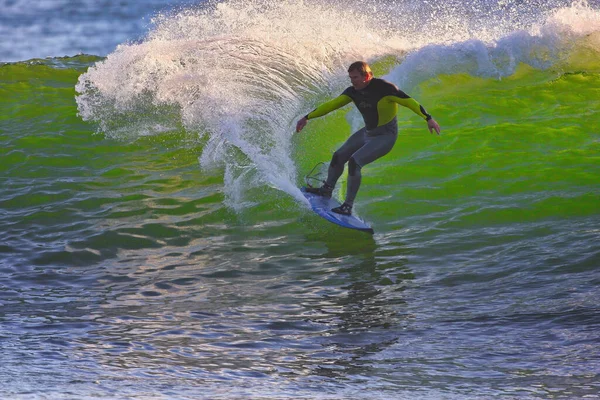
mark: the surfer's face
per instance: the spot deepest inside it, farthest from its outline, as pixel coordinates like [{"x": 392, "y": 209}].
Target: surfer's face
[{"x": 358, "y": 80}]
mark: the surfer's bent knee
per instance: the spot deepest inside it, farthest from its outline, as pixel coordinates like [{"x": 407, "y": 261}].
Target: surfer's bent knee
[{"x": 353, "y": 167}]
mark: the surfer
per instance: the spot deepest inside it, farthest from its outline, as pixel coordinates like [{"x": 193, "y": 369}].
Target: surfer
[{"x": 377, "y": 100}]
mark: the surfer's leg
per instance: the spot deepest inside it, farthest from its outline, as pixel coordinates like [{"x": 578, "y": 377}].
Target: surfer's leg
[
  {"x": 354, "y": 179},
  {"x": 342, "y": 155},
  {"x": 376, "y": 147}
]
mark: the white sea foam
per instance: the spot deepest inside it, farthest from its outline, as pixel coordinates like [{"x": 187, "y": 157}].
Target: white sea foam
[{"x": 498, "y": 49}]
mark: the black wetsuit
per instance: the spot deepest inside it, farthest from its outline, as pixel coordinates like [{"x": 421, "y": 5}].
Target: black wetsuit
[{"x": 378, "y": 104}]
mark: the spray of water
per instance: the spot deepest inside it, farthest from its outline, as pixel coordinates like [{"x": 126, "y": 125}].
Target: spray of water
[
  {"x": 516, "y": 33},
  {"x": 239, "y": 73}
]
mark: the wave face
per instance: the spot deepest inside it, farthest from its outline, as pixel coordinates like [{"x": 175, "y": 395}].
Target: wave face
[
  {"x": 238, "y": 74},
  {"x": 154, "y": 243}
]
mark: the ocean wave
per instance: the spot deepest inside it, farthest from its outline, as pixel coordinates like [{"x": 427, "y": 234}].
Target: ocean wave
[{"x": 239, "y": 73}]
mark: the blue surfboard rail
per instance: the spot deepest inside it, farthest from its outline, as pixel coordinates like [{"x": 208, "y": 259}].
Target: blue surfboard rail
[{"x": 322, "y": 207}]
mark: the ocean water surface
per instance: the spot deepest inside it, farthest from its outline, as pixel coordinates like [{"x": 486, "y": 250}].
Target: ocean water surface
[{"x": 155, "y": 244}]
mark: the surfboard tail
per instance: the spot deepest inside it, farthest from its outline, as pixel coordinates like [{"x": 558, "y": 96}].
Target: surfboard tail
[{"x": 322, "y": 206}]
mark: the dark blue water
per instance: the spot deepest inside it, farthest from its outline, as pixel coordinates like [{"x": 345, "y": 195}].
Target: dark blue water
[{"x": 54, "y": 28}]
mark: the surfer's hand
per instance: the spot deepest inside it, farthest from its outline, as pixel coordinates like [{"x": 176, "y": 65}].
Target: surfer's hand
[
  {"x": 433, "y": 126},
  {"x": 301, "y": 124}
]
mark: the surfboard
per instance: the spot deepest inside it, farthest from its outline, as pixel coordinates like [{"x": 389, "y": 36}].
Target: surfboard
[{"x": 322, "y": 207}]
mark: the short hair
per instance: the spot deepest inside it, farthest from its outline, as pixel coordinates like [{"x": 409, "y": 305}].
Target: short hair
[{"x": 361, "y": 67}]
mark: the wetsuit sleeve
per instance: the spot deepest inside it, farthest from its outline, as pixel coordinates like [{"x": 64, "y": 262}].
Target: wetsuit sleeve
[
  {"x": 330, "y": 106},
  {"x": 405, "y": 100}
]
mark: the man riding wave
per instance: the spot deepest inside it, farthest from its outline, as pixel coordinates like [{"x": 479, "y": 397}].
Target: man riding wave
[{"x": 377, "y": 100}]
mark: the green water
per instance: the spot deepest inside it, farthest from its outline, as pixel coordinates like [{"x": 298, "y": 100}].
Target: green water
[{"x": 124, "y": 270}]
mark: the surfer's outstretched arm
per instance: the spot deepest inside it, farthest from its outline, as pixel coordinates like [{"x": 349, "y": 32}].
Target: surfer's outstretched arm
[
  {"x": 404, "y": 100},
  {"x": 323, "y": 109}
]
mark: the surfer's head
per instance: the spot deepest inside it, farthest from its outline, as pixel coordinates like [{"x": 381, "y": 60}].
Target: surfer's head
[{"x": 360, "y": 74}]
